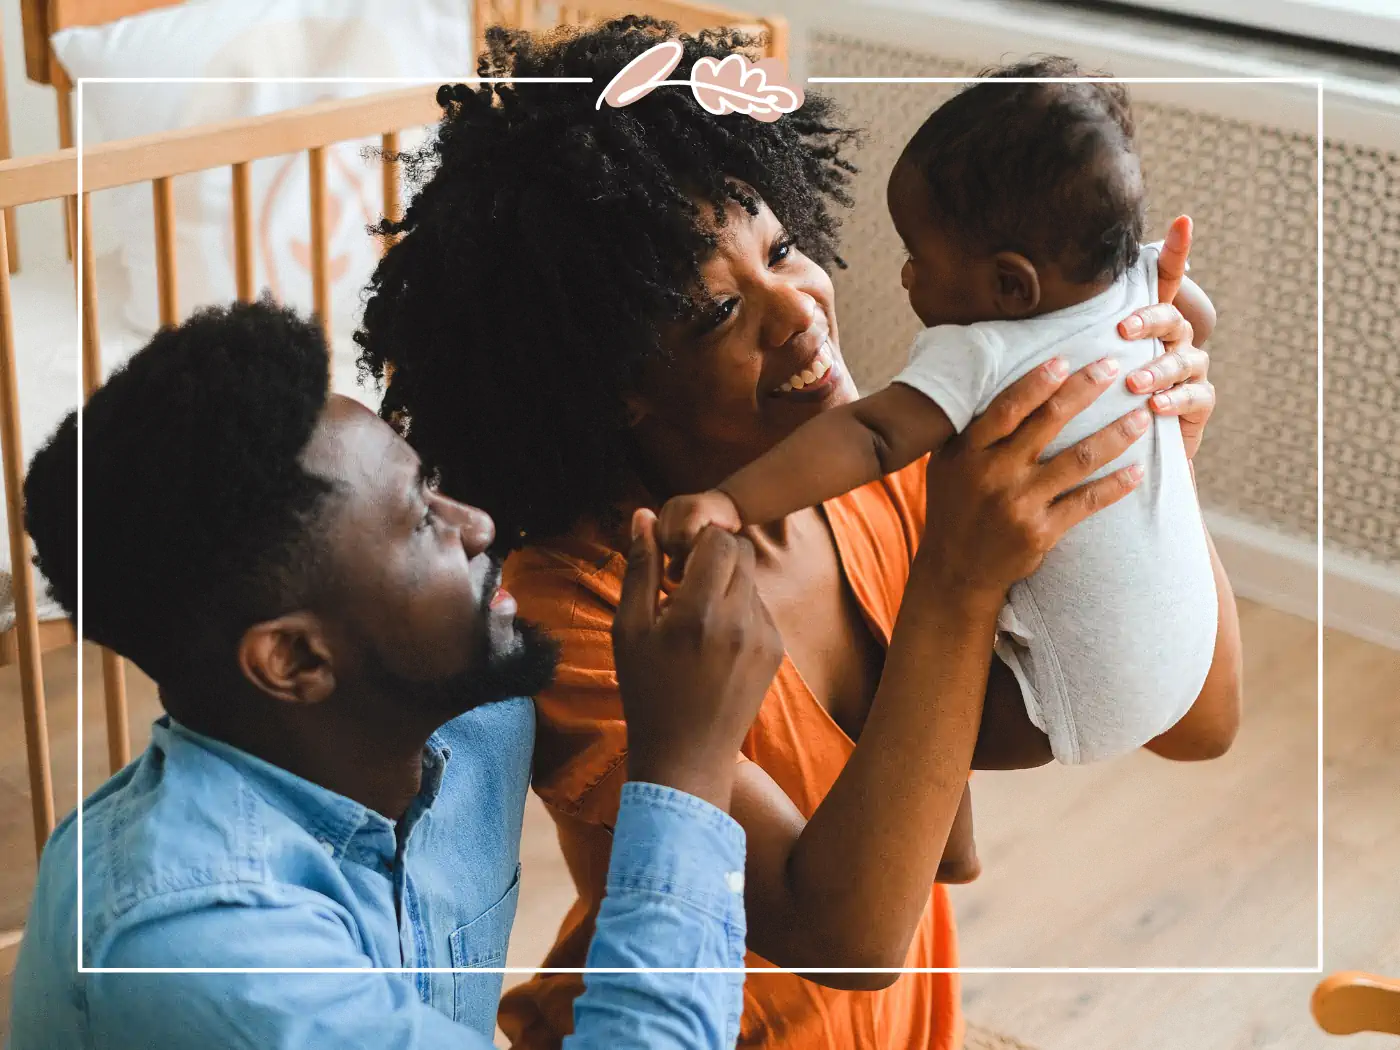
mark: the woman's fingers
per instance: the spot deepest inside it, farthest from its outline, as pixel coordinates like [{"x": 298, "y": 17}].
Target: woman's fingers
[
  {"x": 1069, "y": 468},
  {"x": 1189, "y": 399},
  {"x": 1159, "y": 321},
  {"x": 1073, "y": 507},
  {"x": 1076, "y": 394},
  {"x": 1011, "y": 407},
  {"x": 1183, "y": 364}
]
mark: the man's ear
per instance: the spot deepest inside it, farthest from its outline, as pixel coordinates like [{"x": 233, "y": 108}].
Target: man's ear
[
  {"x": 1017, "y": 291},
  {"x": 288, "y": 658}
]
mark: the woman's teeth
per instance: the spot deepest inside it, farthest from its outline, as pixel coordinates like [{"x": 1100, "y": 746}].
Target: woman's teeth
[{"x": 820, "y": 367}]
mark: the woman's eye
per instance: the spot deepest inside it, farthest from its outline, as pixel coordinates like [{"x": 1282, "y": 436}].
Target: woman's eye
[
  {"x": 723, "y": 312},
  {"x": 782, "y": 250}
]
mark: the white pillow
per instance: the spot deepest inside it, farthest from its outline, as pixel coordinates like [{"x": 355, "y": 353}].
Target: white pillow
[{"x": 254, "y": 38}]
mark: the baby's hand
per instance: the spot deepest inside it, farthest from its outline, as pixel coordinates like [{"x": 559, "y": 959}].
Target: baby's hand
[{"x": 683, "y": 518}]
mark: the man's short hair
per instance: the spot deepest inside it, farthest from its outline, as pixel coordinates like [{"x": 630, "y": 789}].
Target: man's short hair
[{"x": 198, "y": 517}]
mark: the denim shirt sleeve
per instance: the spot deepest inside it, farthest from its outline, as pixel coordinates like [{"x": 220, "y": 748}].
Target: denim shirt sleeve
[
  {"x": 257, "y": 1011},
  {"x": 675, "y": 898}
]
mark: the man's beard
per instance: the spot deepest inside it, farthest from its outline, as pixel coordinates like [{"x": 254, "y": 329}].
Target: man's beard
[{"x": 525, "y": 667}]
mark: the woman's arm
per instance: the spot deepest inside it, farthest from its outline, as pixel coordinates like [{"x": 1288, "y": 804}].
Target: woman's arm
[
  {"x": 1208, "y": 730},
  {"x": 1179, "y": 386},
  {"x": 847, "y": 887}
]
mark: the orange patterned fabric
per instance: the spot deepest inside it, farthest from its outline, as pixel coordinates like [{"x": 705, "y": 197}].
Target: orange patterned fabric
[{"x": 573, "y": 589}]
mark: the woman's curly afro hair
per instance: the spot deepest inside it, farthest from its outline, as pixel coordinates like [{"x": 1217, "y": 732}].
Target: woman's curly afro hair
[{"x": 549, "y": 241}]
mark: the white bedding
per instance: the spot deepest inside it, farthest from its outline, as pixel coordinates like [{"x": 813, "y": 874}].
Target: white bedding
[{"x": 49, "y": 366}]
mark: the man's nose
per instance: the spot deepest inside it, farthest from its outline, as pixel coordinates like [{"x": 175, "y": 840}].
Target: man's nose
[
  {"x": 475, "y": 525},
  {"x": 906, "y": 274}
]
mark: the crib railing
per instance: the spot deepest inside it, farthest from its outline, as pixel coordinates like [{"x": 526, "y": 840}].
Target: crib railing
[
  {"x": 158, "y": 159},
  {"x": 690, "y": 17}
]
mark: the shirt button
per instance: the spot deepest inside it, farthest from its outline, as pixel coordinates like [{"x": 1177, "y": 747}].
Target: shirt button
[
  {"x": 735, "y": 881},
  {"x": 328, "y": 846}
]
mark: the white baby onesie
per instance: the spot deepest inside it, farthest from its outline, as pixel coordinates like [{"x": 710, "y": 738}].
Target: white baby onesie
[{"x": 1112, "y": 637}]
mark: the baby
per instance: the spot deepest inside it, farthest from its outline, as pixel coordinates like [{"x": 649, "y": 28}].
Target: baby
[{"x": 1021, "y": 207}]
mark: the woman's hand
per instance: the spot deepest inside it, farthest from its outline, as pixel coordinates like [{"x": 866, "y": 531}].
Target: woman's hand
[
  {"x": 1177, "y": 379},
  {"x": 994, "y": 508}
]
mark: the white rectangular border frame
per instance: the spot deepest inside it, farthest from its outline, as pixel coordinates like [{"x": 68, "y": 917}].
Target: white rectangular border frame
[{"x": 1316, "y": 82}]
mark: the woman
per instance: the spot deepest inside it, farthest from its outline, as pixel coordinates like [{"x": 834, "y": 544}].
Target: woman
[{"x": 592, "y": 309}]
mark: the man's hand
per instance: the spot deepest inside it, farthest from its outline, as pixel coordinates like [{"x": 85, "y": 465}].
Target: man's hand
[{"x": 693, "y": 672}]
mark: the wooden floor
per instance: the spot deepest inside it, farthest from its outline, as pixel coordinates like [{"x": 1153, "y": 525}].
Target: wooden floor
[{"x": 1133, "y": 863}]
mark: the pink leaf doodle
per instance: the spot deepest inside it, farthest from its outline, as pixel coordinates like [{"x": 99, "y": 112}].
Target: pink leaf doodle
[
  {"x": 642, "y": 75},
  {"x": 733, "y": 86}
]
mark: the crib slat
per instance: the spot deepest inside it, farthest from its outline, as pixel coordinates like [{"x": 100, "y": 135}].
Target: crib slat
[
  {"x": 65, "y": 140},
  {"x": 778, "y": 37},
  {"x": 320, "y": 262},
  {"x": 167, "y": 287},
  {"x": 11, "y": 234},
  {"x": 393, "y": 207},
  {"x": 243, "y": 231},
  {"x": 113, "y": 674},
  {"x": 36, "y": 731},
  {"x": 525, "y": 13}
]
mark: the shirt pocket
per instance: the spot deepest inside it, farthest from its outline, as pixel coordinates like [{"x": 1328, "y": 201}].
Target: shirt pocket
[{"x": 481, "y": 944}]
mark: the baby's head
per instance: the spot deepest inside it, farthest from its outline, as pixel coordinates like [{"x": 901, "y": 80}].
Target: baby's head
[{"x": 1018, "y": 199}]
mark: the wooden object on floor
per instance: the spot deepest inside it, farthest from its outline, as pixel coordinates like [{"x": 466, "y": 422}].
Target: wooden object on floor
[{"x": 1351, "y": 1002}]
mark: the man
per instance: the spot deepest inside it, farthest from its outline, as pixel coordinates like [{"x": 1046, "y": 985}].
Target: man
[{"x": 341, "y": 776}]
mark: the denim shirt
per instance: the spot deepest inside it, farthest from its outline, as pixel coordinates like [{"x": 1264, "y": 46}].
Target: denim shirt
[{"x": 199, "y": 855}]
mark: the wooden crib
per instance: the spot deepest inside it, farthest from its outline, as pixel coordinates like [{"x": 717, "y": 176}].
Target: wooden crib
[{"x": 157, "y": 159}]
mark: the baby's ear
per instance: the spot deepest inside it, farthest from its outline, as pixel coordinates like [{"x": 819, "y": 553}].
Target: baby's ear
[{"x": 1017, "y": 291}]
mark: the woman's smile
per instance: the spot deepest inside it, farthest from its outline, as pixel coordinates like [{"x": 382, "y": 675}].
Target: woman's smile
[{"x": 815, "y": 379}]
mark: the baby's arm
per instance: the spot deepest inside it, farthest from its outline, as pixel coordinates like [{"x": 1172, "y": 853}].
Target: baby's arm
[{"x": 837, "y": 451}]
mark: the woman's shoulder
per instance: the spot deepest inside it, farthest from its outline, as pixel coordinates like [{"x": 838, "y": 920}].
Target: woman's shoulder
[
  {"x": 894, "y": 504},
  {"x": 553, "y": 583}
]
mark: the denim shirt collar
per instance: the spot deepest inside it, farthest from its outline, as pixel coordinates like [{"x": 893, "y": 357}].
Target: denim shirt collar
[{"x": 335, "y": 821}]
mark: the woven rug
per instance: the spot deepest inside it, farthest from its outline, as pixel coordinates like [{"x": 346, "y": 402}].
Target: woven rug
[{"x": 985, "y": 1039}]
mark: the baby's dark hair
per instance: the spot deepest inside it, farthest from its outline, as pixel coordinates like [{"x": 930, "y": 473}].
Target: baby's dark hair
[
  {"x": 200, "y": 519},
  {"x": 1047, "y": 170}
]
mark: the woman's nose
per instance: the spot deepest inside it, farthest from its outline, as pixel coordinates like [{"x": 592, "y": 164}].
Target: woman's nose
[{"x": 791, "y": 311}]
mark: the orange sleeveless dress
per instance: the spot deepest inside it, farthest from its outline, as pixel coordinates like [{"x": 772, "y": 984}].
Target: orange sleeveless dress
[{"x": 573, "y": 589}]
